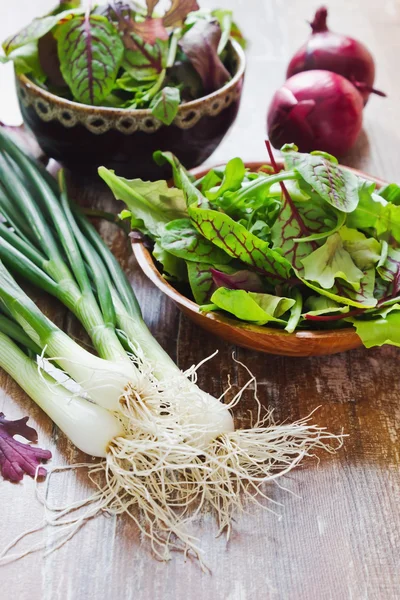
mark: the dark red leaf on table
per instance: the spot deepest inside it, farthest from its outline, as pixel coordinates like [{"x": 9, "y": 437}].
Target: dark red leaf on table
[{"x": 18, "y": 458}]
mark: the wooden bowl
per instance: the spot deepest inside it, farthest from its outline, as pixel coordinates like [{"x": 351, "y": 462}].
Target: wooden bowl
[{"x": 255, "y": 337}]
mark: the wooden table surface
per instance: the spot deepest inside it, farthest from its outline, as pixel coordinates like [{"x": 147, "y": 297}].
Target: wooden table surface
[{"x": 339, "y": 535}]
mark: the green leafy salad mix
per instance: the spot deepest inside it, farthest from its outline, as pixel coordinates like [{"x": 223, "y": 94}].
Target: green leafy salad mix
[
  {"x": 124, "y": 55},
  {"x": 309, "y": 247}
]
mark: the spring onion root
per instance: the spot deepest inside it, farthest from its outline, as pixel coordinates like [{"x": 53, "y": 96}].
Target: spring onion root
[
  {"x": 169, "y": 448},
  {"x": 163, "y": 467}
]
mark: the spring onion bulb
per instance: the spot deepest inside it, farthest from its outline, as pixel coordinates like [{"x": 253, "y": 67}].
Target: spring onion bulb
[
  {"x": 89, "y": 427},
  {"x": 169, "y": 448}
]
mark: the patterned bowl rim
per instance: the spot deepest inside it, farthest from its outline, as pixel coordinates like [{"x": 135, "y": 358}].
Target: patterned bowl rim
[{"x": 140, "y": 112}]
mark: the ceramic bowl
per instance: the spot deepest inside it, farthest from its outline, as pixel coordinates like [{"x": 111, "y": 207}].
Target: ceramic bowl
[
  {"x": 255, "y": 337},
  {"x": 82, "y": 137}
]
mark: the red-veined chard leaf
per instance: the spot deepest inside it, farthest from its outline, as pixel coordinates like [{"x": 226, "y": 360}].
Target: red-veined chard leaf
[
  {"x": 238, "y": 280},
  {"x": 238, "y": 242},
  {"x": 389, "y": 271},
  {"x": 165, "y": 104},
  {"x": 18, "y": 458},
  {"x": 181, "y": 239},
  {"x": 292, "y": 225},
  {"x": 200, "y": 44},
  {"x": 224, "y": 232},
  {"x": 90, "y": 52},
  {"x": 178, "y": 12},
  {"x": 335, "y": 185},
  {"x": 252, "y": 307},
  {"x": 200, "y": 280}
]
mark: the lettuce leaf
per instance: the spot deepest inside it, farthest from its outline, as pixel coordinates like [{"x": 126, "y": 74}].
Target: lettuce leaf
[
  {"x": 252, "y": 307},
  {"x": 365, "y": 252},
  {"x": 329, "y": 262},
  {"x": 377, "y": 332},
  {"x": 151, "y": 201}
]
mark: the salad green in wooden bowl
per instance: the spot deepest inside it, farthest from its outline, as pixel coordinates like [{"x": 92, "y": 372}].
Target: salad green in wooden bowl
[{"x": 309, "y": 248}]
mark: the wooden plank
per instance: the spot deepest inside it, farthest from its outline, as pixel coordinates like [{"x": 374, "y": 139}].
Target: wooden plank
[{"x": 339, "y": 535}]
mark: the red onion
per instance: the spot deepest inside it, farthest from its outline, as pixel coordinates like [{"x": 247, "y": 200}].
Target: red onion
[
  {"x": 335, "y": 52},
  {"x": 316, "y": 110}
]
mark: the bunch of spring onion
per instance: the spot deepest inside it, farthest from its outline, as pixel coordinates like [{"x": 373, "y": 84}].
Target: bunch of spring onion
[{"x": 169, "y": 448}]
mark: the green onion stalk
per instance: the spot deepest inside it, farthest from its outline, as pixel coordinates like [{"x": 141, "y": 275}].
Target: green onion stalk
[{"x": 169, "y": 448}]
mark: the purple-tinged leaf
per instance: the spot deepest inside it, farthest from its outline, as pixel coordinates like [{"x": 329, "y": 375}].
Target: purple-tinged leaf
[
  {"x": 200, "y": 44},
  {"x": 387, "y": 286},
  {"x": 18, "y": 458},
  {"x": 150, "y": 30},
  {"x": 178, "y": 12},
  {"x": 390, "y": 269},
  {"x": 335, "y": 185},
  {"x": 90, "y": 52},
  {"x": 240, "y": 280}
]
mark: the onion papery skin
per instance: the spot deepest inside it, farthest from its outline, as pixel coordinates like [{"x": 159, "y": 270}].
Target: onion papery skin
[
  {"x": 316, "y": 110},
  {"x": 330, "y": 51}
]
